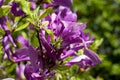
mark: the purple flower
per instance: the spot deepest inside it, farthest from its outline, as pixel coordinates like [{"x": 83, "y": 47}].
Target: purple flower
[
  {"x": 7, "y": 38},
  {"x": 64, "y": 26},
  {"x": 49, "y": 50},
  {"x": 31, "y": 75},
  {"x": 28, "y": 72},
  {"x": 1, "y": 2},
  {"x": 35, "y": 71},
  {"x": 63, "y": 23},
  {"x": 5, "y": 28},
  {"x": 72, "y": 32},
  {"x": 67, "y": 15},
  {"x": 83, "y": 61},
  {"x": 62, "y": 38},
  {"x": 6, "y": 47},
  {"x": 21, "y": 55},
  {"x": 88, "y": 59},
  {"x": 15, "y": 9},
  {"x": 32, "y": 5},
  {"x": 22, "y": 41},
  {"x": 93, "y": 56},
  {"x": 68, "y": 54},
  {"x": 20, "y": 69},
  {"x": 35, "y": 59},
  {"x": 59, "y": 20},
  {"x": 66, "y": 3}
]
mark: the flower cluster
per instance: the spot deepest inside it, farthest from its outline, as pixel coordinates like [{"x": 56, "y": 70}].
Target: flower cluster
[{"x": 59, "y": 36}]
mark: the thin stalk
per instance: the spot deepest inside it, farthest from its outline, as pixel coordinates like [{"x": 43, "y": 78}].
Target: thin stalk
[
  {"x": 41, "y": 50},
  {"x": 40, "y": 44}
]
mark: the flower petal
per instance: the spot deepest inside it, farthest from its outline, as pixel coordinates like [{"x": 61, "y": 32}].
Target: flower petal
[
  {"x": 21, "y": 55},
  {"x": 66, "y": 3},
  {"x": 92, "y": 55}
]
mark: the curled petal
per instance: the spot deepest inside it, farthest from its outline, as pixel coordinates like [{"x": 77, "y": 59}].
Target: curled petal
[
  {"x": 76, "y": 60},
  {"x": 67, "y": 54},
  {"x": 92, "y": 55},
  {"x": 83, "y": 61},
  {"x": 20, "y": 69},
  {"x": 21, "y": 55}
]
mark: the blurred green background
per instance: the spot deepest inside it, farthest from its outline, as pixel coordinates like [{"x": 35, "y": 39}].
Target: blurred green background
[{"x": 103, "y": 21}]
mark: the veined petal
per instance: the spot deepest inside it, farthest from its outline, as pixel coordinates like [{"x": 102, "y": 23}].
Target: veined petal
[
  {"x": 67, "y": 15},
  {"x": 76, "y": 60},
  {"x": 33, "y": 58},
  {"x": 21, "y": 55},
  {"x": 67, "y": 54},
  {"x": 20, "y": 69},
  {"x": 28, "y": 71},
  {"x": 92, "y": 55}
]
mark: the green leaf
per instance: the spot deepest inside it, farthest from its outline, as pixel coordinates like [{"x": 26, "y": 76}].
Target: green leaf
[
  {"x": 47, "y": 1},
  {"x": 22, "y": 27},
  {"x": 34, "y": 16},
  {"x": 30, "y": 20},
  {"x": 9, "y": 25},
  {"x": 96, "y": 44},
  {"x": 25, "y": 5},
  {"x": 4, "y": 10},
  {"x": 2, "y": 32},
  {"x": 115, "y": 69},
  {"x": 44, "y": 23},
  {"x": 58, "y": 76},
  {"x": 33, "y": 39},
  {"x": 62, "y": 68},
  {"x": 45, "y": 13},
  {"x": 51, "y": 33},
  {"x": 57, "y": 43}
]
